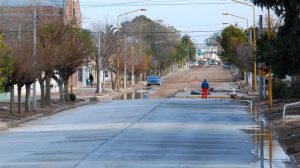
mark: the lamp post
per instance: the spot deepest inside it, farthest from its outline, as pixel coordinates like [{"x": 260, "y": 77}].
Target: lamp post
[
  {"x": 235, "y": 25},
  {"x": 118, "y": 54},
  {"x": 229, "y": 14},
  {"x": 254, "y": 44}
]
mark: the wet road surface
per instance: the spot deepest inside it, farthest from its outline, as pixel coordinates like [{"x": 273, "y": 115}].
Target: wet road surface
[{"x": 156, "y": 133}]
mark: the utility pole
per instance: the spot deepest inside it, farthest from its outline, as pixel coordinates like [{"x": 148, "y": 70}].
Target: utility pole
[
  {"x": 270, "y": 68},
  {"x": 99, "y": 87},
  {"x": 34, "y": 20},
  {"x": 125, "y": 62},
  {"x": 260, "y": 89},
  {"x": 132, "y": 63}
]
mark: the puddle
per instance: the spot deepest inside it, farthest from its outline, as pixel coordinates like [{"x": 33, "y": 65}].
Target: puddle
[
  {"x": 142, "y": 93},
  {"x": 267, "y": 149},
  {"x": 130, "y": 96}
]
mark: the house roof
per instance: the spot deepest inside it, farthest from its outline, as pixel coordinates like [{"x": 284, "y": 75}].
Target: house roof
[{"x": 24, "y": 3}]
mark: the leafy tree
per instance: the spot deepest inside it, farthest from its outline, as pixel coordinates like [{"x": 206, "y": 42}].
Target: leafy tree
[
  {"x": 282, "y": 50},
  {"x": 213, "y": 40},
  {"x": 6, "y": 64},
  {"x": 157, "y": 43},
  {"x": 231, "y": 38},
  {"x": 186, "y": 49}
]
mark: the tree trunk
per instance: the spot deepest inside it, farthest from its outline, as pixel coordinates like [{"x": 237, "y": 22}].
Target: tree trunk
[
  {"x": 141, "y": 78},
  {"x": 12, "y": 99},
  {"x": 27, "y": 98},
  {"x": 41, "y": 82},
  {"x": 103, "y": 84},
  {"x": 246, "y": 76},
  {"x": 61, "y": 92},
  {"x": 48, "y": 94},
  {"x": 42, "y": 95},
  {"x": 66, "y": 90},
  {"x": 113, "y": 84},
  {"x": 19, "y": 98},
  {"x": 60, "y": 87}
]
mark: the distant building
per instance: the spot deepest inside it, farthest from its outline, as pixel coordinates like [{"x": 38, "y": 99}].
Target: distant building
[{"x": 208, "y": 53}]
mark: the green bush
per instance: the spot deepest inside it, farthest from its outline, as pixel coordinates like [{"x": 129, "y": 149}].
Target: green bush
[
  {"x": 282, "y": 91},
  {"x": 72, "y": 96}
]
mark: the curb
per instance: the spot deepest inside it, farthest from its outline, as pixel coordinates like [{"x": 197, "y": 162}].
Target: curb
[
  {"x": 294, "y": 162},
  {"x": 4, "y": 126}
]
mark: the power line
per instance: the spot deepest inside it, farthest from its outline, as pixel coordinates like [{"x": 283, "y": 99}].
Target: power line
[{"x": 154, "y": 4}]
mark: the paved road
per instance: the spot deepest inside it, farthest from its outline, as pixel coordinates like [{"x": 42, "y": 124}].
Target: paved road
[{"x": 155, "y": 133}]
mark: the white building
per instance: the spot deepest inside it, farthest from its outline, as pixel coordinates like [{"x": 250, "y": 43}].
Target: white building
[{"x": 208, "y": 53}]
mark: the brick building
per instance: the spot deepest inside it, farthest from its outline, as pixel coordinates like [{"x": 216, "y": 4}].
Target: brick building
[
  {"x": 16, "y": 15},
  {"x": 16, "y": 19}
]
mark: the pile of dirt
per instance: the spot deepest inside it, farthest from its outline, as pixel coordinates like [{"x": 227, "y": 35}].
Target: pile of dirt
[{"x": 288, "y": 134}]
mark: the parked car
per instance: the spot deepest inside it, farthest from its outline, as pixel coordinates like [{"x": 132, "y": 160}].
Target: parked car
[
  {"x": 153, "y": 80},
  {"x": 226, "y": 65},
  {"x": 213, "y": 62},
  {"x": 202, "y": 62},
  {"x": 193, "y": 64}
]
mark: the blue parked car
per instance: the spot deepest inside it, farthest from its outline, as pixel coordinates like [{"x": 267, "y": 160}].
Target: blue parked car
[
  {"x": 226, "y": 65},
  {"x": 153, "y": 80}
]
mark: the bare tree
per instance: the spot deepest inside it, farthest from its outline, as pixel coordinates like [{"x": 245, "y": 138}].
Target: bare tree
[
  {"x": 244, "y": 53},
  {"x": 70, "y": 48},
  {"x": 26, "y": 69}
]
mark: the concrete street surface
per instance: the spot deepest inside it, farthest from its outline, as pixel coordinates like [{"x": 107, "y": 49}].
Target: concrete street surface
[
  {"x": 160, "y": 132},
  {"x": 138, "y": 133}
]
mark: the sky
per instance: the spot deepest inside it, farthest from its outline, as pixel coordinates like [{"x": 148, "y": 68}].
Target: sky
[{"x": 197, "y": 18}]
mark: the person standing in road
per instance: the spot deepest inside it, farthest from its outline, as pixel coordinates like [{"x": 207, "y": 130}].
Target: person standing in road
[
  {"x": 91, "y": 78},
  {"x": 204, "y": 87}
]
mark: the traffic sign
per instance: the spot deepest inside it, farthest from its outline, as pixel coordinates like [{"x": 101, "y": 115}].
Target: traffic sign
[{"x": 263, "y": 72}]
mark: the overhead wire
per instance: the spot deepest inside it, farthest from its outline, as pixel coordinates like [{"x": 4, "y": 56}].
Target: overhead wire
[{"x": 156, "y": 3}]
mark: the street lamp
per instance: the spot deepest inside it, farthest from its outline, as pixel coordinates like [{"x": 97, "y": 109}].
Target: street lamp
[
  {"x": 254, "y": 44},
  {"x": 235, "y": 25},
  {"x": 228, "y": 14},
  {"x": 118, "y": 54}
]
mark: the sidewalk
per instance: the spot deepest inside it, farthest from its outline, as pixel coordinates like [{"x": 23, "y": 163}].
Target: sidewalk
[{"x": 84, "y": 96}]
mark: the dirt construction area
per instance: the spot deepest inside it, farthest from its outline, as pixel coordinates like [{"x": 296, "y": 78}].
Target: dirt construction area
[{"x": 191, "y": 79}]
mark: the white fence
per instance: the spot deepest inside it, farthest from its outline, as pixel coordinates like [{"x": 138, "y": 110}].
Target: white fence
[{"x": 284, "y": 109}]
